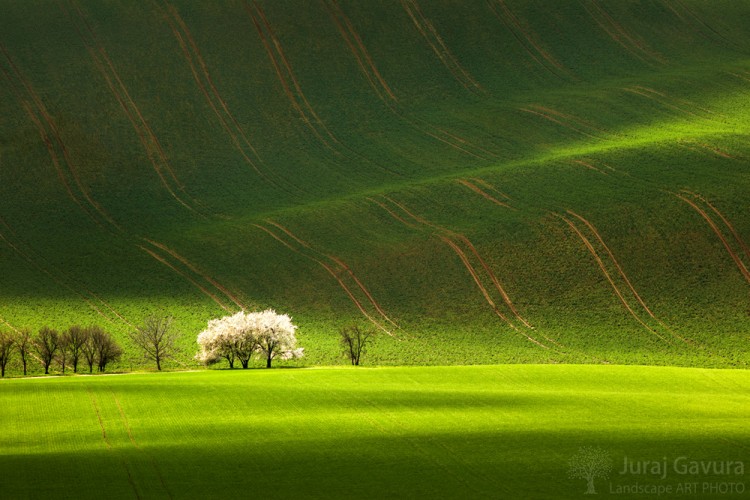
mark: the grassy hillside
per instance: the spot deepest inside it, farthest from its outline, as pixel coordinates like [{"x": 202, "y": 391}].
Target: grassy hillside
[
  {"x": 488, "y": 181},
  {"x": 416, "y": 432}
]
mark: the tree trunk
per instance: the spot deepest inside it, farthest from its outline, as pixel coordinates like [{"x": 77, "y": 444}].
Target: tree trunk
[
  {"x": 24, "y": 367},
  {"x": 268, "y": 362},
  {"x": 590, "y": 490},
  {"x": 158, "y": 363}
]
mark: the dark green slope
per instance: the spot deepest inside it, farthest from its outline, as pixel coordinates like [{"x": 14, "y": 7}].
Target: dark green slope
[{"x": 488, "y": 181}]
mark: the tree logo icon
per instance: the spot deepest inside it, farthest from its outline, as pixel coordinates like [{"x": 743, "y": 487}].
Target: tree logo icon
[{"x": 589, "y": 463}]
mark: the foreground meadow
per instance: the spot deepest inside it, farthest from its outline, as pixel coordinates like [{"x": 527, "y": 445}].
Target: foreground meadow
[{"x": 430, "y": 432}]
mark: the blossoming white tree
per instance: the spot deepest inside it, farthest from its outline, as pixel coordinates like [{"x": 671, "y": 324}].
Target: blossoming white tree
[
  {"x": 276, "y": 336},
  {"x": 241, "y": 335}
]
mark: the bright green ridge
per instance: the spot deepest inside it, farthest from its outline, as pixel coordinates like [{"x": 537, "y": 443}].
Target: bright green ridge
[
  {"x": 148, "y": 149},
  {"x": 403, "y": 432}
]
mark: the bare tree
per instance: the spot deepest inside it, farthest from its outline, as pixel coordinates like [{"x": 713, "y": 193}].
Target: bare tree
[
  {"x": 76, "y": 338},
  {"x": 354, "y": 340},
  {"x": 23, "y": 346},
  {"x": 89, "y": 348},
  {"x": 156, "y": 338},
  {"x": 106, "y": 348},
  {"x": 7, "y": 342},
  {"x": 62, "y": 355},
  {"x": 45, "y": 345}
]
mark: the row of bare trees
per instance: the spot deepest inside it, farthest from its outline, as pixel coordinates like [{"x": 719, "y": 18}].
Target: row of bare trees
[{"x": 73, "y": 347}]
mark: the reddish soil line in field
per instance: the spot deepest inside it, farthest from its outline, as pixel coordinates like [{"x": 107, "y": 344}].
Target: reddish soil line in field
[
  {"x": 277, "y": 65},
  {"x": 227, "y": 120},
  {"x": 702, "y": 146},
  {"x": 363, "y": 50},
  {"x": 489, "y": 186},
  {"x": 740, "y": 265},
  {"x": 438, "y": 46},
  {"x": 45, "y": 136},
  {"x": 148, "y": 139},
  {"x": 524, "y": 38},
  {"x": 613, "y": 259},
  {"x": 555, "y": 120},
  {"x": 571, "y": 118},
  {"x": 99, "y": 418},
  {"x": 589, "y": 166},
  {"x": 617, "y": 33},
  {"x": 6, "y": 323},
  {"x": 198, "y": 271},
  {"x": 191, "y": 280},
  {"x": 330, "y": 271},
  {"x": 726, "y": 222},
  {"x": 486, "y": 195},
  {"x": 339, "y": 262},
  {"x": 358, "y": 49},
  {"x": 475, "y": 277},
  {"x": 391, "y": 212},
  {"x": 125, "y": 421},
  {"x": 495, "y": 281},
  {"x": 299, "y": 94},
  {"x": 700, "y": 21},
  {"x": 25, "y": 256},
  {"x": 446, "y": 236},
  {"x": 606, "y": 274},
  {"x": 649, "y": 94}
]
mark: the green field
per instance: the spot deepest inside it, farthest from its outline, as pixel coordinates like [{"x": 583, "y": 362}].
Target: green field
[
  {"x": 492, "y": 181},
  {"x": 409, "y": 432}
]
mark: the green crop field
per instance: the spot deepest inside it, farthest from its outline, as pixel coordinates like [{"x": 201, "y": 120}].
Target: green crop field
[
  {"x": 397, "y": 432},
  {"x": 487, "y": 181}
]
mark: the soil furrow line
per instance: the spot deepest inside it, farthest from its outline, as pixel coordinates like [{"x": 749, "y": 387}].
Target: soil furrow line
[
  {"x": 106, "y": 68},
  {"x": 48, "y": 142},
  {"x": 184, "y": 275},
  {"x": 425, "y": 27},
  {"x": 227, "y": 119},
  {"x": 446, "y": 236},
  {"x": 290, "y": 73},
  {"x": 495, "y": 281},
  {"x": 613, "y": 259},
  {"x": 524, "y": 39},
  {"x": 282, "y": 79},
  {"x": 631, "y": 39},
  {"x": 363, "y": 50},
  {"x": 607, "y": 275},
  {"x": 340, "y": 263},
  {"x": 192, "y": 267},
  {"x": 347, "y": 36},
  {"x": 726, "y": 222},
  {"x": 740, "y": 265},
  {"x": 562, "y": 124},
  {"x": 486, "y": 195},
  {"x": 601, "y": 20},
  {"x": 330, "y": 271},
  {"x": 60, "y": 281},
  {"x": 457, "y": 250}
]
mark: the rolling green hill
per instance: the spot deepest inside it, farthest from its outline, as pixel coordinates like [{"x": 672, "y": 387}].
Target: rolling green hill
[{"x": 485, "y": 181}]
